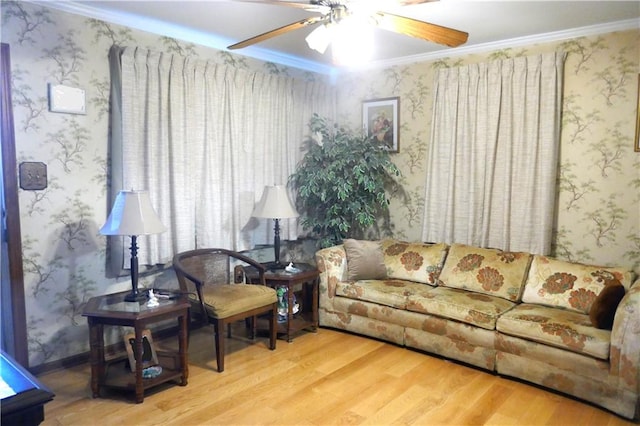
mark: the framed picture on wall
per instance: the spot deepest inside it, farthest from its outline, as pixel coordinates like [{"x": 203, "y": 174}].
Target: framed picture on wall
[
  {"x": 149, "y": 356},
  {"x": 636, "y": 141},
  {"x": 380, "y": 120}
]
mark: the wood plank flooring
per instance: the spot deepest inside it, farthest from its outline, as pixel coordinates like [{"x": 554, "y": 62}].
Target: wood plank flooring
[{"x": 326, "y": 378}]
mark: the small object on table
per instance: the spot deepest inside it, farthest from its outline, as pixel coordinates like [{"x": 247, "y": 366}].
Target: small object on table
[
  {"x": 153, "y": 300},
  {"x": 151, "y": 372},
  {"x": 290, "y": 268},
  {"x": 283, "y": 304}
]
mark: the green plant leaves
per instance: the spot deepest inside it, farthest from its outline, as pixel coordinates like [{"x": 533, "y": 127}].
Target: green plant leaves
[{"x": 341, "y": 184}]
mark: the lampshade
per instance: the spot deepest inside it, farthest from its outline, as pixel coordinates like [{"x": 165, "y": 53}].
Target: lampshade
[
  {"x": 132, "y": 214},
  {"x": 275, "y": 204}
]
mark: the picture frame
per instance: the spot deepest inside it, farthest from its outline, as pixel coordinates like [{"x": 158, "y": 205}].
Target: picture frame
[
  {"x": 380, "y": 120},
  {"x": 149, "y": 355},
  {"x": 636, "y": 141}
]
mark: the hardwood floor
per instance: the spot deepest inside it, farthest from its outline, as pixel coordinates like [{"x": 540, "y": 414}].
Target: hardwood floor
[{"x": 325, "y": 378}]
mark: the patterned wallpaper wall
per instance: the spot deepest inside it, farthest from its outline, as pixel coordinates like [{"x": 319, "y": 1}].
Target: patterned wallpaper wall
[
  {"x": 598, "y": 212},
  {"x": 599, "y": 185}
]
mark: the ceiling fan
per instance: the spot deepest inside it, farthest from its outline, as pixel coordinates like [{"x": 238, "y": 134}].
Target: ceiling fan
[{"x": 333, "y": 12}]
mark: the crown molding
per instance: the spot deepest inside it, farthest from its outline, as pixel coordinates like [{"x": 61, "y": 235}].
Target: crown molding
[
  {"x": 624, "y": 25},
  {"x": 267, "y": 55},
  {"x": 187, "y": 34}
]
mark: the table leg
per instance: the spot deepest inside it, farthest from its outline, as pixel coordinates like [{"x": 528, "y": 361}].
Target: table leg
[
  {"x": 290, "y": 311},
  {"x": 96, "y": 354},
  {"x": 138, "y": 351},
  {"x": 183, "y": 343}
]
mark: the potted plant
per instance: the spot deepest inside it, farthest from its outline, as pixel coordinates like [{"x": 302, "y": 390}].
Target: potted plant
[{"x": 341, "y": 184}]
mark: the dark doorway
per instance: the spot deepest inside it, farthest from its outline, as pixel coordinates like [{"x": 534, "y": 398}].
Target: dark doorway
[{"x": 14, "y": 324}]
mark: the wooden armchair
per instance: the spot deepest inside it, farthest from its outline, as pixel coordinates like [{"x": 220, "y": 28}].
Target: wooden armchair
[{"x": 207, "y": 275}]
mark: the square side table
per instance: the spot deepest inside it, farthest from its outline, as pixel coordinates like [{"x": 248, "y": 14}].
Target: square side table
[
  {"x": 304, "y": 283},
  {"x": 111, "y": 309}
]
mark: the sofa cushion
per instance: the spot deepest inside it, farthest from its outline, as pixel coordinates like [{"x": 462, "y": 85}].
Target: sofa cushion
[
  {"x": 489, "y": 271},
  {"x": 568, "y": 285},
  {"x": 472, "y": 308},
  {"x": 385, "y": 292},
  {"x": 561, "y": 328},
  {"x": 527, "y": 350},
  {"x": 364, "y": 260},
  {"x": 413, "y": 261}
]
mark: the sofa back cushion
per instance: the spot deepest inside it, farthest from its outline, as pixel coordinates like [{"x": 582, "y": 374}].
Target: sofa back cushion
[
  {"x": 489, "y": 271},
  {"x": 418, "y": 262},
  {"x": 569, "y": 285}
]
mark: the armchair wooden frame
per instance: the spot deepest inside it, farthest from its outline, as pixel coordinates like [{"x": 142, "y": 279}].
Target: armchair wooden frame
[{"x": 189, "y": 269}]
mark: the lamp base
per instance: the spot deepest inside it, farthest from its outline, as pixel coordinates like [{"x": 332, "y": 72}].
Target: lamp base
[{"x": 140, "y": 297}]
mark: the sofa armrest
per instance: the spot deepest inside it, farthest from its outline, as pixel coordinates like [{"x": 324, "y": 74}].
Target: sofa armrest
[
  {"x": 625, "y": 340},
  {"x": 332, "y": 264}
]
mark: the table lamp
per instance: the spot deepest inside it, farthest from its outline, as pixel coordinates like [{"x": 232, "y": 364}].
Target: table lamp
[
  {"x": 132, "y": 214},
  {"x": 275, "y": 204}
]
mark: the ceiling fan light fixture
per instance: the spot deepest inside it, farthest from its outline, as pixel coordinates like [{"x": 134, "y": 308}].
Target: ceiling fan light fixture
[
  {"x": 320, "y": 38},
  {"x": 347, "y": 25},
  {"x": 352, "y": 42}
]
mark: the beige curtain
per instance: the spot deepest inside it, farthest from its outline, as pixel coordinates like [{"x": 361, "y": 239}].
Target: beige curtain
[
  {"x": 205, "y": 139},
  {"x": 493, "y": 155}
]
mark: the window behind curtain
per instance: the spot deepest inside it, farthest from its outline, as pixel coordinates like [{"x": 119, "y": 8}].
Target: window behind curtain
[
  {"x": 491, "y": 167},
  {"x": 205, "y": 139}
]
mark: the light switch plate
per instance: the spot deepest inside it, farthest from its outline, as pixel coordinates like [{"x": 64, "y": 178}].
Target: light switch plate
[{"x": 33, "y": 175}]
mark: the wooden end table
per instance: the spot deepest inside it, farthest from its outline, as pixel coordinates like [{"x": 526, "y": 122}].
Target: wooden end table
[
  {"x": 303, "y": 283},
  {"x": 111, "y": 309}
]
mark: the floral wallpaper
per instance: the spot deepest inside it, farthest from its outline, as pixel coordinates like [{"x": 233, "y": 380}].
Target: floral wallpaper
[
  {"x": 64, "y": 255},
  {"x": 598, "y": 210}
]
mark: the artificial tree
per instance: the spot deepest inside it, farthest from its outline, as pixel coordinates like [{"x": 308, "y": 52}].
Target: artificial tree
[{"x": 342, "y": 184}]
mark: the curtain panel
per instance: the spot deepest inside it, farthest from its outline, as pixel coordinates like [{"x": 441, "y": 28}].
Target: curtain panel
[
  {"x": 204, "y": 139},
  {"x": 492, "y": 160}
]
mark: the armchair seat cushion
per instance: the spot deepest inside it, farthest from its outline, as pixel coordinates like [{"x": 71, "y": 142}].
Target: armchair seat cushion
[
  {"x": 222, "y": 301},
  {"x": 561, "y": 328}
]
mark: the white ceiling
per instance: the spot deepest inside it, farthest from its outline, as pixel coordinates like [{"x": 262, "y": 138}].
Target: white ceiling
[{"x": 490, "y": 24}]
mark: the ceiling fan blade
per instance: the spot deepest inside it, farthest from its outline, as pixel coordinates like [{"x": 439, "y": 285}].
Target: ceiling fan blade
[
  {"x": 424, "y": 30},
  {"x": 278, "y": 31}
]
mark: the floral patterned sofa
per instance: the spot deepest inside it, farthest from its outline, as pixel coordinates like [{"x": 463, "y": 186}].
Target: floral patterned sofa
[{"x": 532, "y": 317}]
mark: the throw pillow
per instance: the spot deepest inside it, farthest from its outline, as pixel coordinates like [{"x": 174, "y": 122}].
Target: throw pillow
[
  {"x": 570, "y": 285},
  {"x": 418, "y": 262},
  {"x": 489, "y": 271},
  {"x": 604, "y": 307},
  {"x": 364, "y": 260}
]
